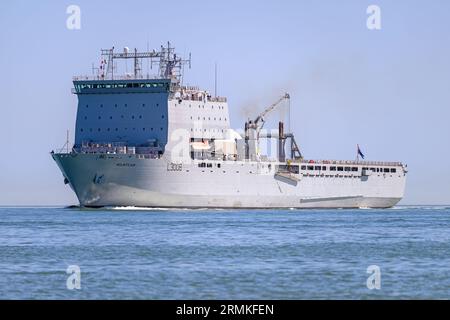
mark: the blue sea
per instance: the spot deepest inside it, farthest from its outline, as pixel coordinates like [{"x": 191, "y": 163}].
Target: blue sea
[{"x": 129, "y": 253}]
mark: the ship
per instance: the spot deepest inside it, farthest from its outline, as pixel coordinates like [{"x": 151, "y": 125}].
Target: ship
[{"x": 146, "y": 140}]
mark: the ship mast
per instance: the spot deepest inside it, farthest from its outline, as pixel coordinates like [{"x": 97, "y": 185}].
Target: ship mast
[{"x": 170, "y": 65}]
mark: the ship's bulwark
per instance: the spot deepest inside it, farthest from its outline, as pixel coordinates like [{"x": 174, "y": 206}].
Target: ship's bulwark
[{"x": 126, "y": 180}]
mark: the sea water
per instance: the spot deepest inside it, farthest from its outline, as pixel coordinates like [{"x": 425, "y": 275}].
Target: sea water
[{"x": 131, "y": 253}]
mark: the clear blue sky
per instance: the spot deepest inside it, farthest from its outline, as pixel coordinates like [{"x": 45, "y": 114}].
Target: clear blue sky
[{"x": 388, "y": 90}]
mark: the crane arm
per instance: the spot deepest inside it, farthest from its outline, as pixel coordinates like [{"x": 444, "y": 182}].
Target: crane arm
[{"x": 270, "y": 108}]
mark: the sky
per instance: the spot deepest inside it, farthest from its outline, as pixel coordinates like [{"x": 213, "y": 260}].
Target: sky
[{"x": 387, "y": 90}]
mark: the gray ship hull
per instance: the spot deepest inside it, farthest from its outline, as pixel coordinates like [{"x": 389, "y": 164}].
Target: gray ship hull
[{"x": 127, "y": 180}]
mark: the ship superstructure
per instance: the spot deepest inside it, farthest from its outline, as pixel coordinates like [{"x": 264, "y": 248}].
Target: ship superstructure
[{"x": 151, "y": 141}]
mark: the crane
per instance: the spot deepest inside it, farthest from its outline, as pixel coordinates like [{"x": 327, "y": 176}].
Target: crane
[
  {"x": 252, "y": 134},
  {"x": 260, "y": 118}
]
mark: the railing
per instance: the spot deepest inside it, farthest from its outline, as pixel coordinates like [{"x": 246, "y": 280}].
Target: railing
[
  {"x": 116, "y": 77},
  {"x": 351, "y": 162}
]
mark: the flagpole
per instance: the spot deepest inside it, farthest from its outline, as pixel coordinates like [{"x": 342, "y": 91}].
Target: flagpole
[{"x": 357, "y": 153}]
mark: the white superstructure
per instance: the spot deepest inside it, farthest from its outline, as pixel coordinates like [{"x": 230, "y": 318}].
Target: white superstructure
[{"x": 153, "y": 142}]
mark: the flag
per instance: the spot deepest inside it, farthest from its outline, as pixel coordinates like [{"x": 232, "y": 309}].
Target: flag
[{"x": 359, "y": 152}]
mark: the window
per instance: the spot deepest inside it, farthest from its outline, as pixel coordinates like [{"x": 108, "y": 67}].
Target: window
[
  {"x": 354, "y": 169},
  {"x": 386, "y": 169},
  {"x": 317, "y": 168},
  {"x": 303, "y": 167},
  {"x": 340, "y": 168},
  {"x": 324, "y": 168},
  {"x": 347, "y": 168},
  {"x": 393, "y": 170},
  {"x": 310, "y": 167},
  {"x": 332, "y": 168}
]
